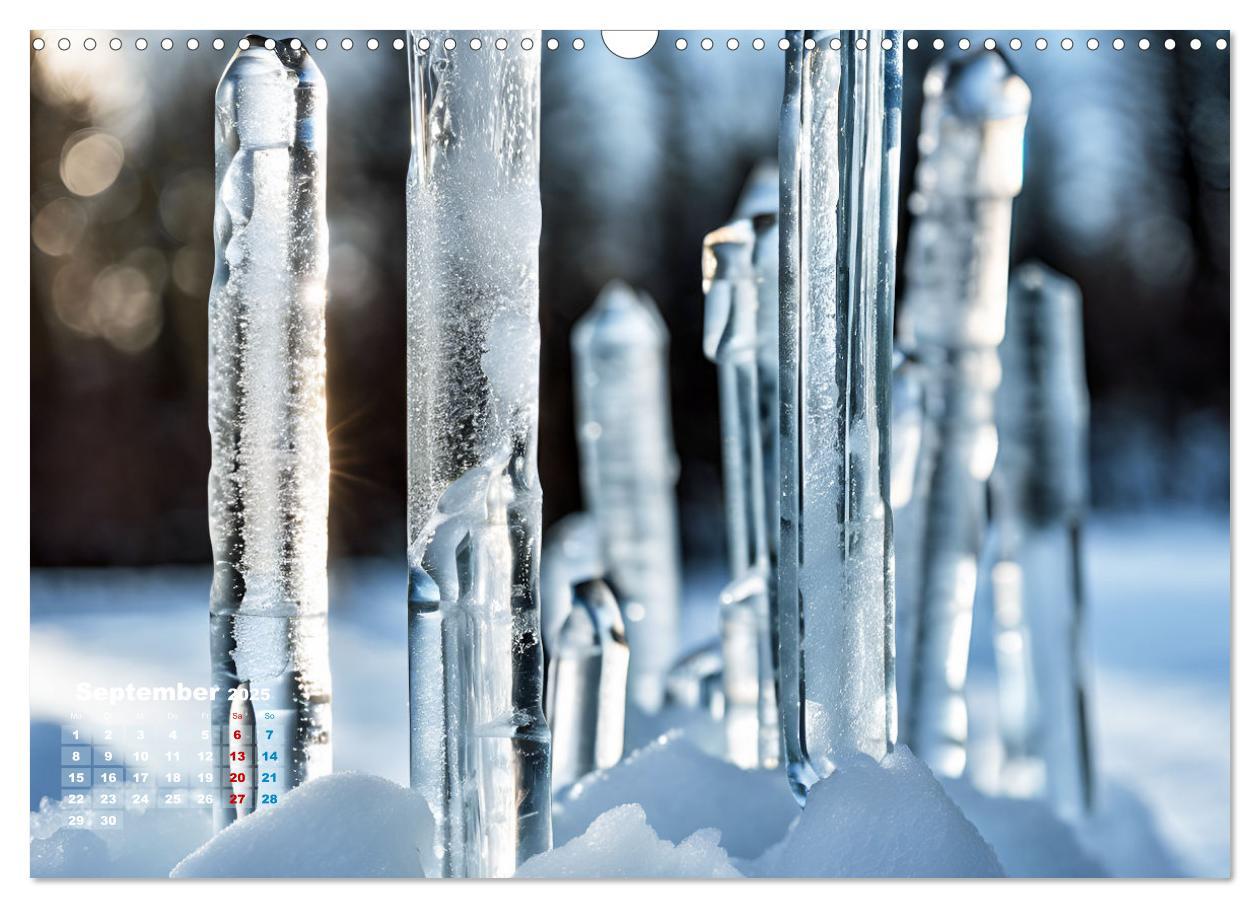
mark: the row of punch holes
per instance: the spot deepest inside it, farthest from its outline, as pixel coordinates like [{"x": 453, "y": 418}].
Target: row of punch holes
[{"x": 579, "y": 43}]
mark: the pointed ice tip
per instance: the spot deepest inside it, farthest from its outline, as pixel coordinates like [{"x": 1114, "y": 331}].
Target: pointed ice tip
[
  {"x": 1035, "y": 277},
  {"x": 621, "y": 318},
  {"x": 979, "y": 86},
  {"x": 595, "y": 619},
  {"x": 727, "y": 253}
]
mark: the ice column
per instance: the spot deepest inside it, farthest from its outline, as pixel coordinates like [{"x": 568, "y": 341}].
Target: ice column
[
  {"x": 268, "y": 487},
  {"x": 730, "y": 340},
  {"x": 629, "y": 471},
  {"x": 1040, "y": 493},
  {"x": 586, "y": 685},
  {"x": 479, "y": 742},
  {"x": 954, "y": 311},
  {"x": 839, "y": 153}
]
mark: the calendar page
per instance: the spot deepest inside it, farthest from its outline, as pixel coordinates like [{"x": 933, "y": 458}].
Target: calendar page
[{"x": 548, "y": 453}]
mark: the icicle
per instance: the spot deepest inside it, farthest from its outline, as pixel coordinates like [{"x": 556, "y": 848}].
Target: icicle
[
  {"x": 971, "y": 167},
  {"x": 479, "y": 742},
  {"x": 1040, "y": 494},
  {"x": 268, "y": 489},
  {"x": 730, "y": 340},
  {"x": 586, "y": 685},
  {"x": 839, "y": 153},
  {"x": 628, "y": 473}
]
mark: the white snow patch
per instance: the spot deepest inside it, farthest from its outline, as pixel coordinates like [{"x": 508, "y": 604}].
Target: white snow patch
[
  {"x": 681, "y": 790},
  {"x": 342, "y": 825},
  {"x": 886, "y": 819},
  {"x": 620, "y": 843}
]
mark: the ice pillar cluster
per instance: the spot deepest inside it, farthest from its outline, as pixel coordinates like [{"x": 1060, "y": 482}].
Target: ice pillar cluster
[
  {"x": 479, "y": 741},
  {"x": 268, "y": 487},
  {"x": 954, "y": 313},
  {"x": 1040, "y": 494},
  {"x": 629, "y": 470},
  {"x": 838, "y": 157}
]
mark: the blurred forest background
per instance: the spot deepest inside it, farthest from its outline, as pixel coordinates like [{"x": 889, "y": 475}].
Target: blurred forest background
[{"x": 1127, "y": 191}]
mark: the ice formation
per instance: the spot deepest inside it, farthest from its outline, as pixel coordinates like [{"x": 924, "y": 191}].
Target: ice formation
[
  {"x": 620, "y": 843},
  {"x": 268, "y": 487},
  {"x": 879, "y": 819},
  {"x": 586, "y": 685},
  {"x": 629, "y": 470},
  {"x": 953, "y": 318},
  {"x": 1040, "y": 495},
  {"x": 479, "y": 742},
  {"x": 343, "y": 825},
  {"x": 839, "y": 151},
  {"x": 731, "y": 340}
]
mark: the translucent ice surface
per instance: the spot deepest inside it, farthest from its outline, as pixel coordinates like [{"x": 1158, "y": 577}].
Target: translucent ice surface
[
  {"x": 629, "y": 470},
  {"x": 953, "y": 317},
  {"x": 479, "y": 742},
  {"x": 838, "y": 159},
  {"x": 268, "y": 488}
]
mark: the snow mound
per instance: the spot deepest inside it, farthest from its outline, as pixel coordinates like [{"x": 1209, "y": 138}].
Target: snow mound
[
  {"x": 1030, "y": 840},
  {"x": 886, "y": 819},
  {"x": 149, "y": 844},
  {"x": 342, "y": 825},
  {"x": 620, "y": 843},
  {"x": 70, "y": 853},
  {"x": 681, "y": 790}
]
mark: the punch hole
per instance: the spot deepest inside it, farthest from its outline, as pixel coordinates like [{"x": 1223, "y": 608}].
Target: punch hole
[{"x": 629, "y": 45}]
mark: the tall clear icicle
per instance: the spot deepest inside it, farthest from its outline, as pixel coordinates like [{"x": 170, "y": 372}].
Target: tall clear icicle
[
  {"x": 730, "y": 340},
  {"x": 629, "y": 471},
  {"x": 268, "y": 487},
  {"x": 586, "y": 685},
  {"x": 953, "y": 317},
  {"x": 1040, "y": 495},
  {"x": 838, "y": 156},
  {"x": 479, "y": 742}
]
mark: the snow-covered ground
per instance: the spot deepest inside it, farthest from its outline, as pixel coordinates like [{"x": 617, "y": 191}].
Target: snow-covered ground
[{"x": 1159, "y": 633}]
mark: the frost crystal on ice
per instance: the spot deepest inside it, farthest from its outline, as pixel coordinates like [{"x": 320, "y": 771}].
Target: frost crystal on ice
[
  {"x": 479, "y": 742},
  {"x": 730, "y": 339},
  {"x": 1040, "y": 493},
  {"x": 839, "y": 154},
  {"x": 629, "y": 471},
  {"x": 586, "y": 685},
  {"x": 953, "y": 318},
  {"x": 268, "y": 487}
]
